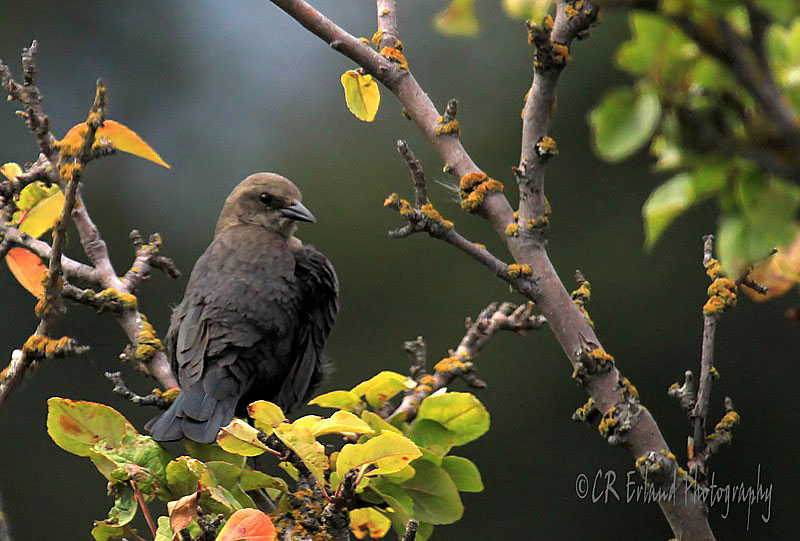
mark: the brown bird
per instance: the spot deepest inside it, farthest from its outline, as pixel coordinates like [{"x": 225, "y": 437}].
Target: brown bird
[{"x": 257, "y": 310}]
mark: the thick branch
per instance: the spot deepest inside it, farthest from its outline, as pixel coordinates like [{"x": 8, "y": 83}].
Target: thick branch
[{"x": 687, "y": 519}]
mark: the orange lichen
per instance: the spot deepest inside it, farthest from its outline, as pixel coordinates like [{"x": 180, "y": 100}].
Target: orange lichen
[
  {"x": 147, "y": 342},
  {"x": 537, "y": 223},
  {"x": 583, "y": 413},
  {"x": 434, "y": 215},
  {"x": 626, "y": 384},
  {"x": 42, "y": 346},
  {"x": 404, "y": 207},
  {"x": 714, "y": 269},
  {"x": 451, "y": 364},
  {"x": 600, "y": 357},
  {"x": 479, "y": 245},
  {"x": 512, "y": 230},
  {"x": 394, "y": 55},
  {"x": 547, "y": 145},
  {"x": 514, "y": 270},
  {"x": 376, "y": 37},
  {"x": 364, "y": 41},
  {"x": 474, "y": 187},
  {"x": 608, "y": 422},
  {"x": 560, "y": 53},
  {"x": 721, "y": 292},
  {"x": 447, "y": 128},
  {"x": 169, "y": 395}
]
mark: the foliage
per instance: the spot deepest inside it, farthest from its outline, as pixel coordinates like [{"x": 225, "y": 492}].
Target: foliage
[
  {"x": 403, "y": 469},
  {"x": 704, "y": 125}
]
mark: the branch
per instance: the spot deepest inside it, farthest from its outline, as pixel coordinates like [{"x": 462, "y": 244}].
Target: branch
[
  {"x": 459, "y": 362},
  {"x": 161, "y": 400},
  {"x": 722, "y": 295},
  {"x": 147, "y": 257},
  {"x": 64, "y": 164},
  {"x": 411, "y": 530}
]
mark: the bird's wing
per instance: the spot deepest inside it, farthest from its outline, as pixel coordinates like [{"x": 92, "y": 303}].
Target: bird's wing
[
  {"x": 320, "y": 292},
  {"x": 223, "y": 310}
]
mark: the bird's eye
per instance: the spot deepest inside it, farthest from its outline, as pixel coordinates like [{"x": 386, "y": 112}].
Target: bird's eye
[{"x": 265, "y": 198}]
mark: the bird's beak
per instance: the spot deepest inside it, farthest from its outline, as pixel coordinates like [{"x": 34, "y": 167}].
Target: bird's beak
[{"x": 298, "y": 212}]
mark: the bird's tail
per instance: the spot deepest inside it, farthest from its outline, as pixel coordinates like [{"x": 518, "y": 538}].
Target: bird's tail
[{"x": 195, "y": 415}]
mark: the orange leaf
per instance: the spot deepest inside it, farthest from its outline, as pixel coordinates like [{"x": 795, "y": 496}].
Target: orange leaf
[
  {"x": 248, "y": 525},
  {"x": 28, "y": 269},
  {"x": 120, "y": 136},
  {"x": 779, "y": 273}
]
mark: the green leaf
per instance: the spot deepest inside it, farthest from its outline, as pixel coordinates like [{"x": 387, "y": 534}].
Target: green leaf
[
  {"x": 658, "y": 49},
  {"x": 228, "y": 476},
  {"x": 164, "y": 532},
  {"x": 343, "y": 400},
  {"x": 434, "y": 494},
  {"x": 183, "y": 474},
  {"x": 782, "y": 10},
  {"x": 120, "y": 515},
  {"x": 388, "y": 452},
  {"x": 206, "y": 452},
  {"x": 464, "y": 473},
  {"x": 676, "y": 195},
  {"x": 624, "y": 121},
  {"x": 461, "y": 413},
  {"x": 240, "y": 438},
  {"x": 76, "y": 426},
  {"x": 458, "y": 19},
  {"x": 253, "y": 479},
  {"x": 396, "y": 497},
  {"x": 432, "y": 436},
  {"x": 382, "y": 387},
  {"x": 361, "y": 94}
]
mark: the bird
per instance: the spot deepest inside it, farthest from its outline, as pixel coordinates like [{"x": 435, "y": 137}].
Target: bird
[{"x": 257, "y": 310}]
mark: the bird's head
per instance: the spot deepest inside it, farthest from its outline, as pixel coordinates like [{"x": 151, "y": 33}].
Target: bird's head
[{"x": 267, "y": 200}]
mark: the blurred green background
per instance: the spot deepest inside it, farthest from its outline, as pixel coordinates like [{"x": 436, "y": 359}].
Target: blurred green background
[{"x": 223, "y": 89}]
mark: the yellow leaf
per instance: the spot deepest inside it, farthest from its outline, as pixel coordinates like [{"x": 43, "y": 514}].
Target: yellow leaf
[
  {"x": 368, "y": 520},
  {"x": 307, "y": 421},
  {"x": 343, "y": 400},
  {"x": 28, "y": 269},
  {"x": 11, "y": 170},
  {"x": 533, "y": 10},
  {"x": 266, "y": 414},
  {"x": 340, "y": 422},
  {"x": 118, "y": 135},
  {"x": 461, "y": 413},
  {"x": 382, "y": 387},
  {"x": 361, "y": 94},
  {"x": 458, "y": 19},
  {"x": 240, "y": 438},
  {"x": 301, "y": 441},
  {"x": 388, "y": 452},
  {"x": 40, "y": 208}
]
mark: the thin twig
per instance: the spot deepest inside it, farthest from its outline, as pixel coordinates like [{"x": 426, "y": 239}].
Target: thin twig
[
  {"x": 411, "y": 530},
  {"x": 156, "y": 398}
]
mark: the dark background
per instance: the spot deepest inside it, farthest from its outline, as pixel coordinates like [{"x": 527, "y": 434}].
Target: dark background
[{"x": 223, "y": 89}]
